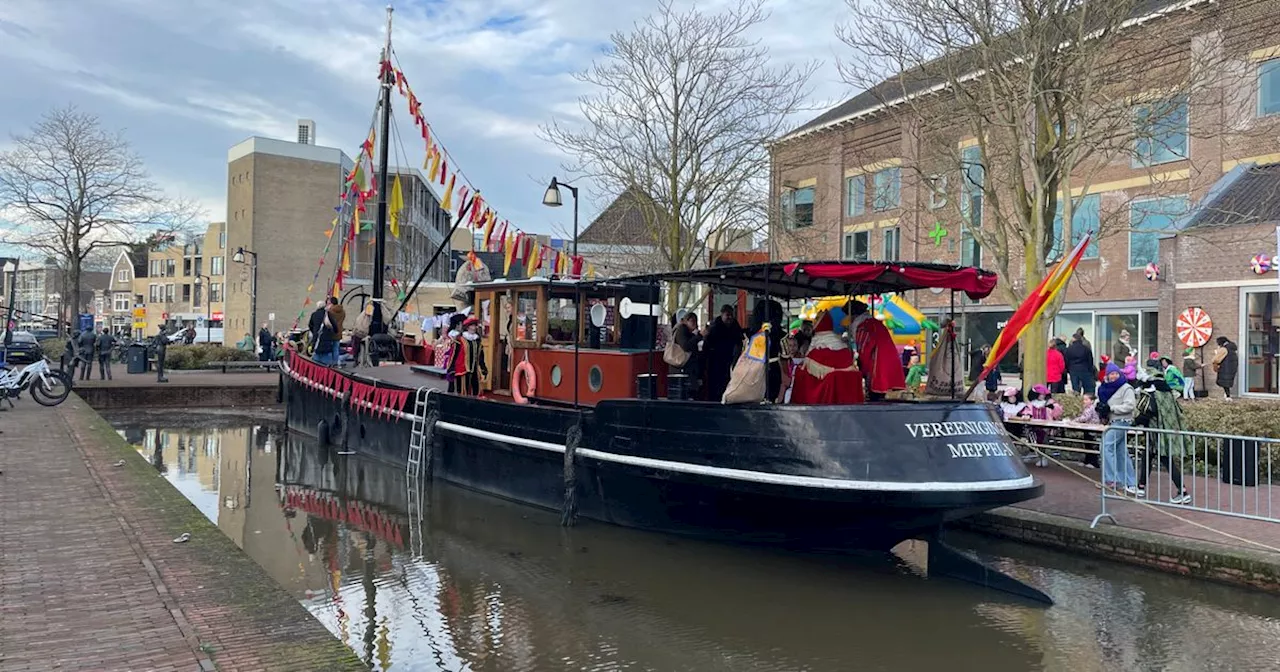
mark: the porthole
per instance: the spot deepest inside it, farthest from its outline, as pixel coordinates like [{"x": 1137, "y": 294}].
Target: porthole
[
  {"x": 556, "y": 375},
  {"x": 595, "y": 379}
]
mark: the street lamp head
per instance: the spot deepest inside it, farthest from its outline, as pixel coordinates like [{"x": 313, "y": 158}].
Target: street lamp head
[
  {"x": 552, "y": 199},
  {"x": 199, "y": 279},
  {"x": 238, "y": 257}
]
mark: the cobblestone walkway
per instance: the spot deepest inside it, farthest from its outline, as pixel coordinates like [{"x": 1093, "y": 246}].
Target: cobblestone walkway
[{"x": 90, "y": 578}]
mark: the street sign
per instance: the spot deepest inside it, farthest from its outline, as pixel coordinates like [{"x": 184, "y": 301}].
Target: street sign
[
  {"x": 86, "y": 321},
  {"x": 271, "y": 316},
  {"x": 139, "y": 313}
]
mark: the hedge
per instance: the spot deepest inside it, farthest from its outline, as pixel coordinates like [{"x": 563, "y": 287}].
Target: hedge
[{"x": 199, "y": 355}]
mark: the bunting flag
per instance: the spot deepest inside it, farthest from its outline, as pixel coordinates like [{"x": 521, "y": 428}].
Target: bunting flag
[
  {"x": 576, "y": 268},
  {"x": 508, "y": 253},
  {"x": 447, "y": 203},
  {"x": 477, "y": 209},
  {"x": 1034, "y": 305},
  {"x": 395, "y": 207},
  {"x": 444, "y": 169},
  {"x": 500, "y": 241},
  {"x": 346, "y": 259},
  {"x": 466, "y": 206},
  {"x": 533, "y": 257},
  {"x": 462, "y": 198},
  {"x": 434, "y": 172},
  {"x": 488, "y": 230},
  {"x": 591, "y": 271}
]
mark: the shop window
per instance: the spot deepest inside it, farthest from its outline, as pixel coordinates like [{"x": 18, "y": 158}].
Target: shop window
[
  {"x": 857, "y": 246},
  {"x": 1066, "y": 324},
  {"x": 1084, "y": 218},
  {"x": 1269, "y": 87},
  {"x": 1259, "y": 353},
  {"x": 888, "y": 186},
  {"x": 1160, "y": 132},
  {"x": 1147, "y": 220},
  {"x": 856, "y": 195}
]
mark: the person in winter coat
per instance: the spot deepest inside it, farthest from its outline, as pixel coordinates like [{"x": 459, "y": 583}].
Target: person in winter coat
[
  {"x": 1173, "y": 376},
  {"x": 266, "y": 343},
  {"x": 1190, "y": 366},
  {"x": 1080, "y": 366},
  {"x": 106, "y": 343},
  {"x": 337, "y": 315},
  {"x": 1163, "y": 412},
  {"x": 1055, "y": 367},
  {"x": 85, "y": 344},
  {"x": 1118, "y": 397},
  {"x": 722, "y": 346},
  {"x": 1226, "y": 362}
]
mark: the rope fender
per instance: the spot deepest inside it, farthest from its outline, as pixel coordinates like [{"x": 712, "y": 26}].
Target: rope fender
[{"x": 573, "y": 438}]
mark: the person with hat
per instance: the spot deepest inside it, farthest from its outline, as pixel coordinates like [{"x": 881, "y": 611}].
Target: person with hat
[
  {"x": 466, "y": 364},
  {"x": 827, "y": 374},
  {"x": 877, "y": 354}
]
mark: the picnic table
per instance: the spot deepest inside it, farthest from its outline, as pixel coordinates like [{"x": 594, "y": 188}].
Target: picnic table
[{"x": 1076, "y": 437}]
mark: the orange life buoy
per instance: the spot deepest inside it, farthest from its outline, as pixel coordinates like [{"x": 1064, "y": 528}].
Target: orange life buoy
[{"x": 524, "y": 374}]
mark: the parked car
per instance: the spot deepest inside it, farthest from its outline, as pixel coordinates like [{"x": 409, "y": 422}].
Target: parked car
[
  {"x": 44, "y": 334},
  {"x": 23, "y": 350}
]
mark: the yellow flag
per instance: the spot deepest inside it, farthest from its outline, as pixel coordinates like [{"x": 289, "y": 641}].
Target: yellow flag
[
  {"x": 434, "y": 171},
  {"x": 346, "y": 259},
  {"x": 508, "y": 254},
  {"x": 447, "y": 203},
  {"x": 395, "y": 207},
  {"x": 591, "y": 271},
  {"x": 488, "y": 229},
  {"x": 535, "y": 256}
]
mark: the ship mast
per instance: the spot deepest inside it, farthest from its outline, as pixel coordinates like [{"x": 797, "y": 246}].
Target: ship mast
[{"x": 376, "y": 325}]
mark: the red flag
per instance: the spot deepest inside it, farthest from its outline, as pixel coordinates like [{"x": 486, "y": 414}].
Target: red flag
[{"x": 1034, "y": 304}]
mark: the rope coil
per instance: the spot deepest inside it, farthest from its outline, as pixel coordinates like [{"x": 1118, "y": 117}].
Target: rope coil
[{"x": 573, "y": 438}]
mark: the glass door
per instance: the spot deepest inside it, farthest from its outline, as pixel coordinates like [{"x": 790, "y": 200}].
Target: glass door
[{"x": 1260, "y": 350}]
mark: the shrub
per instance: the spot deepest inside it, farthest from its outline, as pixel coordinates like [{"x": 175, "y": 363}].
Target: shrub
[
  {"x": 198, "y": 356},
  {"x": 53, "y": 347}
]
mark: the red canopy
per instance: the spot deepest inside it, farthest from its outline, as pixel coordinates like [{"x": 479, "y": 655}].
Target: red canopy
[{"x": 975, "y": 282}]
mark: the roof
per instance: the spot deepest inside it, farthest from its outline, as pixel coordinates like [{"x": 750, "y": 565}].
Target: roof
[
  {"x": 622, "y": 223},
  {"x": 1250, "y": 194},
  {"x": 902, "y": 86},
  {"x": 794, "y": 280}
]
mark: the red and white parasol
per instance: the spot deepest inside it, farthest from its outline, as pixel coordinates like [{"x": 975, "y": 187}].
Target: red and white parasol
[{"x": 1194, "y": 327}]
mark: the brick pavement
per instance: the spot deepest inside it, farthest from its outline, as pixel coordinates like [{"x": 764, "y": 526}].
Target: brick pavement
[
  {"x": 90, "y": 578},
  {"x": 1066, "y": 494}
]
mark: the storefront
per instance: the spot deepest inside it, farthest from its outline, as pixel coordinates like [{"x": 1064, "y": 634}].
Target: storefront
[{"x": 1260, "y": 341}]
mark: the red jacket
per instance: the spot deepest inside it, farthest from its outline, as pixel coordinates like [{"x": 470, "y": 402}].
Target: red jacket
[{"x": 1054, "y": 365}]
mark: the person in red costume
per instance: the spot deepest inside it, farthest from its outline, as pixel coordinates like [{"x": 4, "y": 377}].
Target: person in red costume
[
  {"x": 877, "y": 355},
  {"x": 828, "y": 374}
]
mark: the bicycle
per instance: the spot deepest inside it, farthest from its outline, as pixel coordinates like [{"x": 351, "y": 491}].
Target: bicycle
[{"x": 48, "y": 386}]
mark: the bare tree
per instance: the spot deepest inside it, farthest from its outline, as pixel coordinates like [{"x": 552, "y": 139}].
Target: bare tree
[
  {"x": 73, "y": 189},
  {"x": 679, "y": 112},
  {"x": 1025, "y": 101}
]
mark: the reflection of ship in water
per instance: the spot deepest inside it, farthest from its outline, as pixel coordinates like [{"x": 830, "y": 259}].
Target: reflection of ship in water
[{"x": 498, "y": 586}]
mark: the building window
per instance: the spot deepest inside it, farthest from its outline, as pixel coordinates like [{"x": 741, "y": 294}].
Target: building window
[
  {"x": 1084, "y": 218},
  {"x": 153, "y": 293},
  {"x": 170, "y": 268},
  {"x": 1269, "y": 87},
  {"x": 120, "y": 302},
  {"x": 1147, "y": 220},
  {"x": 186, "y": 267},
  {"x": 168, "y": 293},
  {"x": 856, "y": 193},
  {"x": 199, "y": 266},
  {"x": 186, "y": 292},
  {"x": 857, "y": 246},
  {"x": 937, "y": 192},
  {"x": 797, "y": 207},
  {"x": 888, "y": 185},
  {"x": 970, "y": 248},
  {"x": 973, "y": 180},
  {"x": 215, "y": 292},
  {"x": 155, "y": 268},
  {"x": 892, "y": 244},
  {"x": 1160, "y": 132},
  {"x": 222, "y": 240},
  {"x": 122, "y": 275},
  {"x": 215, "y": 265}
]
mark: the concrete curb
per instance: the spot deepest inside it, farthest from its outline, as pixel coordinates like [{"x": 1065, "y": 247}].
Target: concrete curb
[{"x": 1256, "y": 569}]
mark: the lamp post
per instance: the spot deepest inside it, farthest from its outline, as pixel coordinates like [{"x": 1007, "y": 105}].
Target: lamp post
[
  {"x": 208, "y": 306},
  {"x": 552, "y": 199},
  {"x": 238, "y": 257}
]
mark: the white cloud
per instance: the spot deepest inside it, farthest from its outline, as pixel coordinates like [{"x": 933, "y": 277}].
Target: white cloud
[{"x": 189, "y": 79}]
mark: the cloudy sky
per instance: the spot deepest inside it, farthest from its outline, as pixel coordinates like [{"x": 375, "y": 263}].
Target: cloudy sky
[{"x": 187, "y": 79}]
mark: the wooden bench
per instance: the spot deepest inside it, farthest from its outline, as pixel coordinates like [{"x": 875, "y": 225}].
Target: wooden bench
[{"x": 233, "y": 366}]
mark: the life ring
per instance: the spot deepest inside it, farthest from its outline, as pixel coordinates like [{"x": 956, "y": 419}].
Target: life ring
[{"x": 525, "y": 374}]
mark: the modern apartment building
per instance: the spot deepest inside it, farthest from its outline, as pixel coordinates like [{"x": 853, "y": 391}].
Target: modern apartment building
[
  {"x": 180, "y": 284},
  {"x": 857, "y": 183},
  {"x": 281, "y": 198}
]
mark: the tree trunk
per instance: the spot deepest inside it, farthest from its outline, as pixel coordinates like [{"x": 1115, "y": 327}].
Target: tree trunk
[
  {"x": 72, "y": 294},
  {"x": 1035, "y": 340}
]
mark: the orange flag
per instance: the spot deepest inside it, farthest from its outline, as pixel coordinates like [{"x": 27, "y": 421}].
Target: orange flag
[{"x": 488, "y": 230}]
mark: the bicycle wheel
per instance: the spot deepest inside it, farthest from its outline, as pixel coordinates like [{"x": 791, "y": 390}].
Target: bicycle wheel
[{"x": 57, "y": 390}]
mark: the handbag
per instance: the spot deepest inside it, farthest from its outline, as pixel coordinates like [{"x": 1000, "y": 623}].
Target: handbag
[{"x": 675, "y": 355}]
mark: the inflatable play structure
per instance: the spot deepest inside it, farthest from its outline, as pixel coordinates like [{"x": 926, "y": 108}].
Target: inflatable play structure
[{"x": 903, "y": 320}]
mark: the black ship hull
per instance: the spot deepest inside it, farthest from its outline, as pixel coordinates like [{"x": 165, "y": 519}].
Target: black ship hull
[{"x": 847, "y": 477}]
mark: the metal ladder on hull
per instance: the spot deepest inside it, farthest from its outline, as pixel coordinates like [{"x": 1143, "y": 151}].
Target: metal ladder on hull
[{"x": 419, "y": 436}]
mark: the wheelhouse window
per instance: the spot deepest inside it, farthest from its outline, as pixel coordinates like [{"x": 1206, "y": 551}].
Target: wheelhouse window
[
  {"x": 562, "y": 319},
  {"x": 856, "y": 195},
  {"x": 527, "y": 316},
  {"x": 1147, "y": 220},
  {"x": 888, "y": 185},
  {"x": 1160, "y": 132}
]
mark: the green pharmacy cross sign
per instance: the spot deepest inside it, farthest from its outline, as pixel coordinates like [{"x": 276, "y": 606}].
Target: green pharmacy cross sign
[{"x": 937, "y": 234}]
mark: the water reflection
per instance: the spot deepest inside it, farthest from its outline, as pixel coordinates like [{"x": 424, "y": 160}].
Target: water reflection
[{"x": 480, "y": 584}]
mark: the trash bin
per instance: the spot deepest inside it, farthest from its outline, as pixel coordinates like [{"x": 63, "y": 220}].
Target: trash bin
[{"x": 136, "y": 358}]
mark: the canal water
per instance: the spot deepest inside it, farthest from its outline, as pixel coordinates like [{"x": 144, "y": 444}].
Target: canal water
[{"x": 479, "y": 584}]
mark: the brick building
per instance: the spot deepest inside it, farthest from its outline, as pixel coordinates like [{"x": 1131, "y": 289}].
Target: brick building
[
  {"x": 855, "y": 183},
  {"x": 280, "y": 200},
  {"x": 179, "y": 284}
]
